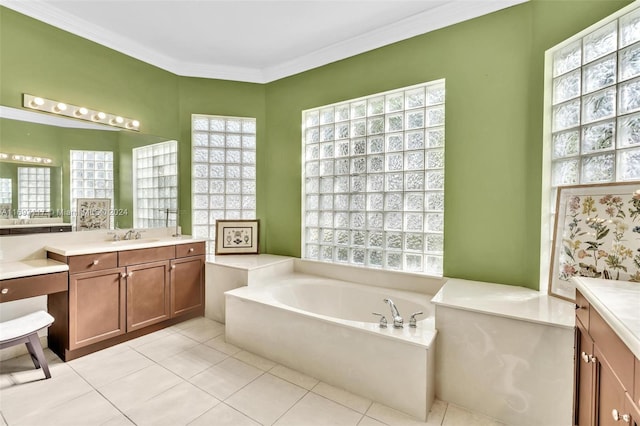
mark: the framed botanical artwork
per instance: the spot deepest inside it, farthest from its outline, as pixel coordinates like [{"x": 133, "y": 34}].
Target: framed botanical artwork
[
  {"x": 93, "y": 213},
  {"x": 237, "y": 236},
  {"x": 596, "y": 234}
]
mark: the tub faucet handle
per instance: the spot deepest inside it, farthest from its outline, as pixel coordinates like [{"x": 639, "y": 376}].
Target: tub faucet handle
[
  {"x": 383, "y": 320},
  {"x": 412, "y": 320}
]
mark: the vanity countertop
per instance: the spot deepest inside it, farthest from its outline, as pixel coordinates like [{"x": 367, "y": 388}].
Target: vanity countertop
[
  {"x": 506, "y": 301},
  {"x": 78, "y": 248},
  {"x": 618, "y": 303},
  {"x": 27, "y": 268}
]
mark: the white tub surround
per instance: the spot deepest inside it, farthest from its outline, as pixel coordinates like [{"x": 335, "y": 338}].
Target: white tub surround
[
  {"x": 618, "y": 303},
  {"x": 227, "y": 272},
  {"x": 324, "y": 328},
  {"x": 506, "y": 352}
]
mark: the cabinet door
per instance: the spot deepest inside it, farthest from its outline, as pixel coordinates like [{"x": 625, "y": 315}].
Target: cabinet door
[
  {"x": 585, "y": 375},
  {"x": 148, "y": 299},
  {"x": 187, "y": 285},
  {"x": 96, "y": 306},
  {"x": 610, "y": 394}
]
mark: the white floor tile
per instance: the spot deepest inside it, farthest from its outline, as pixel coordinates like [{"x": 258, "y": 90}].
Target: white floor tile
[
  {"x": 226, "y": 378},
  {"x": 393, "y": 417},
  {"x": 203, "y": 331},
  {"x": 314, "y": 410},
  {"x": 178, "y": 405},
  {"x": 223, "y": 415},
  {"x": 138, "y": 387},
  {"x": 20, "y": 400},
  {"x": 266, "y": 398},
  {"x": 459, "y": 416},
  {"x": 167, "y": 346},
  {"x": 437, "y": 412},
  {"x": 368, "y": 421},
  {"x": 294, "y": 377},
  {"x": 219, "y": 343},
  {"x": 157, "y": 335},
  {"x": 100, "y": 368},
  {"x": 343, "y": 397},
  {"x": 88, "y": 409},
  {"x": 194, "y": 360},
  {"x": 255, "y": 360}
]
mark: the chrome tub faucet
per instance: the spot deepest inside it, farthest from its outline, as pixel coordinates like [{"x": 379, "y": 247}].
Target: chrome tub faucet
[{"x": 397, "y": 319}]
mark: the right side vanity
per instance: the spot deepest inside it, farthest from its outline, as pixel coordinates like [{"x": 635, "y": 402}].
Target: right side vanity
[{"x": 607, "y": 352}]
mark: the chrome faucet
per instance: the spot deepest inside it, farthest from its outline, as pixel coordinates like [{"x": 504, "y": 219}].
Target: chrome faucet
[
  {"x": 129, "y": 235},
  {"x": 397, "y": 319}
]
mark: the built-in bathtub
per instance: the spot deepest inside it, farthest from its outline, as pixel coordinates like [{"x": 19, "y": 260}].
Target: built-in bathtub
[{"x": 325, "y": 328}]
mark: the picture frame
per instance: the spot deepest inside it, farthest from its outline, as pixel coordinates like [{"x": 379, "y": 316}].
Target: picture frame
[
  {"x": 93, "y": 213},
  {"x": 237, "y": 236},
  {"x": 596, "y": 234}
]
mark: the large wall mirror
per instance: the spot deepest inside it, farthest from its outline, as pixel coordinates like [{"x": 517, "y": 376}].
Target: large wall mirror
[{"x": 131, "y": 176}]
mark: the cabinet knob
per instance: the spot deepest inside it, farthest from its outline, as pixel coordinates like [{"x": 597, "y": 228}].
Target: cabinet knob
[
  {"x": 173, "y": 266},
  {"x": 190, "y": 249},
  {"x": 130, "y": 274},
  {"x": 123, "y": 274},
  {"x": 4, "y": 291},
  {"x": 95, "y": 262}
]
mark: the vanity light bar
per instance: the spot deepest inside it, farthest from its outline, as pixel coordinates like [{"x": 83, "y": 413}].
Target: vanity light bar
[
  {"x": 25, "y": 158},
  {"x": 78, "y": 112}
]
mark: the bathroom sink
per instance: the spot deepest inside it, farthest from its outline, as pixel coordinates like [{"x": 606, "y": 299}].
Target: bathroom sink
[{"x": 134, "y": 241}]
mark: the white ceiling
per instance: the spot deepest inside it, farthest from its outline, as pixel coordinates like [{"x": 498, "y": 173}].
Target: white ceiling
[{"x": 250, "y": 40}]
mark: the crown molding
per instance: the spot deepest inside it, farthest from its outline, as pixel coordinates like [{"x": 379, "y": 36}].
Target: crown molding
[{"x": 449, "y": 13}]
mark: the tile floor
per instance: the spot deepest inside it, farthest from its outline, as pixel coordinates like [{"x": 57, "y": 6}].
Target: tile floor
[{"x": 188, "y": 375}]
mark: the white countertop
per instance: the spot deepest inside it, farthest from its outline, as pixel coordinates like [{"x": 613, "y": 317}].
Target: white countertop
[
  {"x": 78, "y": 248},
  {"x": 618, "y": 303},
  {"x": 27, "y": 268},
  {"x": 247, "y": 262},
  {"x": 506, "y": 301}
]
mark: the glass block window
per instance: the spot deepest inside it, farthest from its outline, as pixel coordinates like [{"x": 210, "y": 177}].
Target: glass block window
[
  {"x": 595, "y": 111},
  {"x": 223, "y": 165},
  {"x": 5, "y": 191},
  {"x": 373, "y": 176},
  {"x": 34, "y": 190},
  {"x": 91, "y": 177},
  {"x": 155, "y": 191}
]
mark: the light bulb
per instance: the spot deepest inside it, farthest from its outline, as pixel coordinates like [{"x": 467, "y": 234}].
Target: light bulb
[
  {"x": 36, "y": 102},
  {"x": 99, "y": 116},
  {"x": 81, "y": 111},
  {"x": 60, "y": 107}
]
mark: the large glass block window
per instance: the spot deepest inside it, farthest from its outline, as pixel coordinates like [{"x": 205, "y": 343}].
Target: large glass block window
[
  {"x": 5, "y": 191},
  {"x": 34, "y": 190},
  {"x": 223, "y": 165},
  {"x": 91, "y": 177},
  {"x": 595, "y": 119},
  {"x": 155, "y": 191},
  {"x": 374, "y": 180}
]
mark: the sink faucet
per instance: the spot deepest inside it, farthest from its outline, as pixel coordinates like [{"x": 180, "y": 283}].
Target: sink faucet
[
  {"x": 397, "y": 319},
  {"x": 129, "y": 234}
]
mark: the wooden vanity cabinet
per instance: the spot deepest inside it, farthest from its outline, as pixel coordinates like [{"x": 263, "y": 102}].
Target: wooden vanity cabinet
[
  {"x": 606, "y": 372},
  {"x": 116, "y": 296},
  {"x": 96, "y": 306},
  {"x": 187, "y": 278}
]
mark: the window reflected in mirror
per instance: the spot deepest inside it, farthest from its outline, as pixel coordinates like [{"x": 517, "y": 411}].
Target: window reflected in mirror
[{"x": 34, "y": 191}]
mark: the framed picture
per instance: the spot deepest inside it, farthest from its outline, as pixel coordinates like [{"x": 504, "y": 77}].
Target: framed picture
[
  {"x": 596, "y": 234},
  {"x": 93, "y": 213},
  {"x": 237, "y": 236}
]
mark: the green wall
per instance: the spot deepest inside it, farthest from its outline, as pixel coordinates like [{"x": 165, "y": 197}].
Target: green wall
[{"x": 493, "y": 66}]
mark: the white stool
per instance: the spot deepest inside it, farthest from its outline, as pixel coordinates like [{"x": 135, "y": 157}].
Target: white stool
[{"x": 25, "y": 330}]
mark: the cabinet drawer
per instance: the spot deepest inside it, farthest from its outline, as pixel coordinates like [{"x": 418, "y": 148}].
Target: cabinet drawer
[
  {"x": 153, "y": 254},
  {"x": 190, "y": 249},
  {"x": 614, "y": 350},
  {"x": 582, "y": 309},
  {"x": 36, "y": 285},
  {"x": 92, "y": 262},
  {"x": 636, "y": 392}
]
